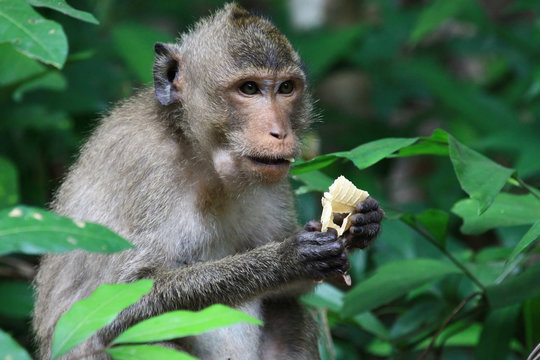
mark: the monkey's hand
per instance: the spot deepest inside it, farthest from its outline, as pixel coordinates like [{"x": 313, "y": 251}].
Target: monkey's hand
[
  {"x": 365, "y": 224},
  {"x": 321, "y": 254}
]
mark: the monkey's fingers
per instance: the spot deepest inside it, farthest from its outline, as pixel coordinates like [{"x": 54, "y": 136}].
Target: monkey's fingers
[
  {"x": 338, "y": 265},
  {"x": 362, "y": 236},
  {"x": 369, "y": 204}
]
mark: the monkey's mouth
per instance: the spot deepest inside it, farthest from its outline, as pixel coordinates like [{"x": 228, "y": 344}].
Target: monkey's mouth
[{"x": 267, "y": 161}]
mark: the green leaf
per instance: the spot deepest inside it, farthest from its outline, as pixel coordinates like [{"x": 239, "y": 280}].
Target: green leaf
[
  {"x": 393, "y": 280},
  {"x": 314, "y": 181},
  {"x": 34, "y": 231},
  {"x": 436, "y": 144},
  {"x": 96, "y": 311},
  {"x": 434, "y": 15},
  {"x": 15, "y": 67},
  {"x": 50, "y": 80},
  {"x": 31, "y": 34},
  {"x": 434, "y": 221},
  {"x": 479, "y": 177},
  {"x": 529, "y": 238},
  {"x": 372, "y": 152},
  {"x": 17, "y": 299},
  {"x": 9, "y": 185},
  {"x": 362, "y": 156},
  {"x": 147, "y": 352},
  {"x": 65, "y": 8},
  {"x": 325, "y": 296},
  {"x": 10, "y": 349},
  {"x": 498, "y": 330},
  {"x": 135, "y": 44},
  {"x": 506, "y": 210},
  {"x": 182, "y": 323},
  {"x": 317, "y": 163},
  {"x": 516, "y": 289}
]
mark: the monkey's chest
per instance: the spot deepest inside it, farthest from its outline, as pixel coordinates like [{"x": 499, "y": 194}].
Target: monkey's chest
[{"x": 235, "y": 342}]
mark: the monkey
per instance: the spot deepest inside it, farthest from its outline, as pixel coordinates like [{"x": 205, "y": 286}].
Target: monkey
[{"x": 193, "y": 172}]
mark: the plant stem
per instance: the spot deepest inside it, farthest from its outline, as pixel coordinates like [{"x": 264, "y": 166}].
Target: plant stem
[
  {"x": 449, "y": 255},
  {"x": 447, "y": 321},
  {"x": 528, "y": 187}
]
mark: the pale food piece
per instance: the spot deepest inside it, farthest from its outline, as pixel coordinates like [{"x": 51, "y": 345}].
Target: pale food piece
[{"x": 342, "y": 197}]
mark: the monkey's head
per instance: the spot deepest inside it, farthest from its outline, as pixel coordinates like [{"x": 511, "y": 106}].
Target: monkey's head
[{"x": 242, "y": 93}]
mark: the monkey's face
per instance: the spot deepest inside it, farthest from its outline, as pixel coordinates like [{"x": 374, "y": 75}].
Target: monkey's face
[{"x": 262, "y": 111}]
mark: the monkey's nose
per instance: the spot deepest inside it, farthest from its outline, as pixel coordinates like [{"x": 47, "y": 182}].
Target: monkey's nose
[{"x": 279, "y": 134}]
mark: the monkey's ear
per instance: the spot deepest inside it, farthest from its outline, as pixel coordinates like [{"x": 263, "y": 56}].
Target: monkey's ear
[{"x": 168, "y": 80}]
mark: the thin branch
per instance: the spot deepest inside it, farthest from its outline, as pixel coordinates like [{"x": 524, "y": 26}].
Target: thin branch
[
  {"x": 528, "y": 187},
  {"x": 466, "y": 271},
  {"x": 447, "y": 321}
]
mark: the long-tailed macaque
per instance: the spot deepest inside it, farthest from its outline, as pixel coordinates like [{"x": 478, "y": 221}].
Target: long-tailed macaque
[{"x": 194, "y": 174}]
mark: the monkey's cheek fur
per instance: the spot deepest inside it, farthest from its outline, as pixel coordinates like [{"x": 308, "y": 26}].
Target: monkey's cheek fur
[{"x": 269, "y": 171}]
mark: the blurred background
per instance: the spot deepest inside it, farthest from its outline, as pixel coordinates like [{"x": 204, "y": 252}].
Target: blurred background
[{"x": 379, "y": 69}]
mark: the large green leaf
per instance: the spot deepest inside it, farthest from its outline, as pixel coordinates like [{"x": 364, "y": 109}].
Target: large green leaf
[
  {"x": 10, "y": 349},
  {"x": 515, "y": 289},
  {"x": 182, "y": 323},
  {"x": 34, "y": 231},
  {"x": 497, "y": 332},
  {"x": 529, "y": 238},
  {"x": 135, "y": 44},
  {"x": 31, "y": 34},
  {"x": 96, "y": 311},
  {"x": 147, "y": 352},
  {"x": 368, "y": 154},
  {"x": 15, "y": 67},
  {"x": 63, "y": 7},
  {"x": 506, "y": 210},
  {"x": 433, "y": 16},
  {"x": 393, "y": 280},
  {"x": 9, "y": 186},
  {"x": 479, "y": 177},
  {"x": 436, "y": 144},
  {"x": 362, "y": 156}
]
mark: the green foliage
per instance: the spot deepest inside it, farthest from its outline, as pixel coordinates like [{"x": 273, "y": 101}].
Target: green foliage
[
  {"x": 31, "y": 34},
  {"x": 455, "y": 268},
  {"x": 31, "y": 230},
  {"x": 182, "y": 323},
  {"x": 146, "y": 352},
  {"x": 96, "y": 311},
  {"x": 9, "y": 349},
  {"x": 388, "y": 283},
  {"x": 65, "y": 8}
]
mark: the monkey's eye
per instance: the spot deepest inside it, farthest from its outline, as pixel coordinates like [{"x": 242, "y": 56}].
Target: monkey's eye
[
  {"x": 249, "y": 88},
  {"x": 286, "y": 87}
]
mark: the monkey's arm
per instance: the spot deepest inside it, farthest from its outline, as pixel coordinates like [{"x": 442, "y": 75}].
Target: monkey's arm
[{"x": 239, "y": 278}]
